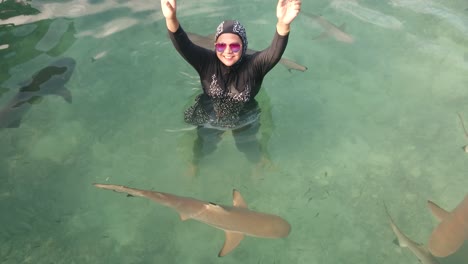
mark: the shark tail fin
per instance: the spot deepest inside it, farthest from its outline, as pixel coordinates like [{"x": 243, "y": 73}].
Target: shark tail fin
[
  {"x": 400, "y": 242},
  {"x": 401, "y": 239}
]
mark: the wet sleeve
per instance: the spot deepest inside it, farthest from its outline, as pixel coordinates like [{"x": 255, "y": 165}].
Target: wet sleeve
[
  {"x": 266, "y": 59},
  {"x": 195, "y": 55}
]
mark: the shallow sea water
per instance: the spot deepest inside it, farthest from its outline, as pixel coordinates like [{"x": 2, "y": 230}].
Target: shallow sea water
[{"x": 369, "y": 122}]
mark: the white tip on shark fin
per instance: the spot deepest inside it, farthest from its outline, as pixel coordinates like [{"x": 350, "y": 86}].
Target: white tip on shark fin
[
  {"x": 183, "y": 217},
  {"x": 238, "y": 200},
  {"x": 399, "y": 241},
  {"x": 232, "y": 241},
  {"x": 437, "y": 211}
]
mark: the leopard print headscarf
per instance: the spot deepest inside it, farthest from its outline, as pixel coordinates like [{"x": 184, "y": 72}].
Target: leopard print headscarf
[{"x": 235, "y": 27}]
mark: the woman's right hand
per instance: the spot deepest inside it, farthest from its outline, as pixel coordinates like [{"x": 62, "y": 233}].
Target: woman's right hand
[{"x": 168, "y": 8}]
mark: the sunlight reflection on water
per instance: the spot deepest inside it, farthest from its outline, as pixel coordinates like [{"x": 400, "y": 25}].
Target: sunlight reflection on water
[{"x": 370, "y": 120}]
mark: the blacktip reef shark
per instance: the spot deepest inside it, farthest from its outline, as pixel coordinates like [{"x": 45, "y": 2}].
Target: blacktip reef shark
[
  {"x": 331, "y": 30},
  {"x": 419, "y": 250},
  {"x": 49, "y": 80},
  {"x": 236, "y": 221},
  {"x": 452, "y": 231},
  {"x": 207, "y": 42}
]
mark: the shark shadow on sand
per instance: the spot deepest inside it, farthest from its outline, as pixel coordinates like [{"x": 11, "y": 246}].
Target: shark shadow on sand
[{"x": 47, "y": 81}]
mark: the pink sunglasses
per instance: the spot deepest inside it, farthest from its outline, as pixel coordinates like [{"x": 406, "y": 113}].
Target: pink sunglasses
[{"x": 235, "y": 47}]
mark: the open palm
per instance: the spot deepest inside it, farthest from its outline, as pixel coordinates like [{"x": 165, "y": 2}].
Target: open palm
[
  {"x": 287, "y": 10},
  {"x": 168, "y": 8}
]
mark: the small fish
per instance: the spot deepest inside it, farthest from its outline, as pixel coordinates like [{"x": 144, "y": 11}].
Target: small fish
[
  {"x": 181, "y": 129},
  {"x": 236, "y": 221},
  {"x": 452, "y": 231},
  {"x": 49, "y": 80},
  {"x": 420, "y": 251},
  {"x": 207, "y": 42},
  {"x": 98, "y": 56}
]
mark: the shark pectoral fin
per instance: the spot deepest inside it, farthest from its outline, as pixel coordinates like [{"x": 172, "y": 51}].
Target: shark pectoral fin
[
  {"x": 238, "y": 200},
  {"x": 232, "y": 241},
  {"x": 437, "y": 211},
  {"x": 66, "y": 94}
]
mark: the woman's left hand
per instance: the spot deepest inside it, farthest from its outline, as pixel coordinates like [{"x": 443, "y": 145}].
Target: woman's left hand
[{"x": 287, "y": 10}]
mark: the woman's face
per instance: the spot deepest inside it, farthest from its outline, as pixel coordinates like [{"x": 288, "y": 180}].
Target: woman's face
[{"x": 228, "y": 48}]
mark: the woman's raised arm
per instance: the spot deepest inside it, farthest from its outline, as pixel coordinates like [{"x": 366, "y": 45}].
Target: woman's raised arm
[
  {"x": 169, "y": 8},
  {"x": 286, "y": 12}
]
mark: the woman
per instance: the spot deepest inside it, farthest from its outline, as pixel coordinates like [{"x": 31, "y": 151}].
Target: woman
[{"x": 230, "y": 79}]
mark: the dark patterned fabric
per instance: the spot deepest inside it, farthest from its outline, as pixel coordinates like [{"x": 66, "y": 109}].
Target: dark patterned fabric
[
  {"x": 221, "y": 113},
  {"x": 227, "y": 101}
]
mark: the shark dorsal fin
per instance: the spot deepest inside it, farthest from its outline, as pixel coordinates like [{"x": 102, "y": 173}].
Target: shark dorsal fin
[
  {"x": 237, "y": 199},
  {"x": 437, "y": 211},
  {"x": 232, "y": 241}
]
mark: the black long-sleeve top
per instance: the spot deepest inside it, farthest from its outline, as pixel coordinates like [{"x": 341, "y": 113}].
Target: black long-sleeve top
[{"x": 228, "y": 92}]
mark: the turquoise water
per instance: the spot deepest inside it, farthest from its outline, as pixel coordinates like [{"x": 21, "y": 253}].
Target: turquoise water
[{"x": 369, "y": 122}]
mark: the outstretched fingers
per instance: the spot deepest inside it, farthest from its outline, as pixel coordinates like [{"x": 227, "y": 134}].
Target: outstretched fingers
[
  {"x": 168, "y": 8},
  {"x": 296, "y": 4},
  {"x": 171, "y": 4}
]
